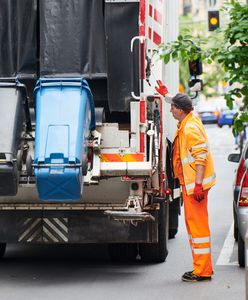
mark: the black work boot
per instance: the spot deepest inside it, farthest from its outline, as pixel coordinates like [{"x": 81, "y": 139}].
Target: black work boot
[{"x": 191, "y": 277}]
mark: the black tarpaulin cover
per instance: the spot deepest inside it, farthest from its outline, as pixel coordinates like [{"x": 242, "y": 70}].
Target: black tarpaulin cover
[
  {"x": 65, "y": 38},
  {"x": 72, "y": 39},
  {"x": 18, "y": 38}
]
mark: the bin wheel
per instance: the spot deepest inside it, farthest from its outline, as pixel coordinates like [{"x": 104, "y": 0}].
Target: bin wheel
[{"x": 29, "y": 167}]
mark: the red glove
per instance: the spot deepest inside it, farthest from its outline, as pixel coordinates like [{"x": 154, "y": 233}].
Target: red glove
[
  {"x": 161, "y": 89},
  {"x": 198, "y": 192}
]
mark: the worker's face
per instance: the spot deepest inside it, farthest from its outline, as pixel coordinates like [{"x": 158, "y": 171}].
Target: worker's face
[{"x": 176, "y": 112}]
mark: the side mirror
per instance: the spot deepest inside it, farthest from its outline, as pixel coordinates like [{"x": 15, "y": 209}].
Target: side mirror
[{"x": 235, "y": 157}]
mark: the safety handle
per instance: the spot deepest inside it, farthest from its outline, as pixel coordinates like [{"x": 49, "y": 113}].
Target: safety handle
[{"x": 140, "y": 39}]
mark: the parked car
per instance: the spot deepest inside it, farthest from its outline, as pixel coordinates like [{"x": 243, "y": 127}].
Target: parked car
[
  {"x": 208, "y": 114},
  {"x": 240, "y": 201},
  {"x": 226, "y": 117}
]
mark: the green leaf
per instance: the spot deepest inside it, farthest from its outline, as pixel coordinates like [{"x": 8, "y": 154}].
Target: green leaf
[
  {"x": 244, "y": 117},
  {"x": 238, "y": 124},
  {"x": 229, "y": 103},
  {"x": 174, "y": 55},
  {"x": 166, "y": 58}
]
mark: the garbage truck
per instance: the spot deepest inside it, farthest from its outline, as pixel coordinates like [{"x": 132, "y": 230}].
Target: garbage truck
[{"x": 85, "y": 138}]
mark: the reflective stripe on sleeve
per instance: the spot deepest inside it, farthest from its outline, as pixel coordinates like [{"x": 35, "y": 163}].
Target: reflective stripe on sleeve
[
  {"x": 187, "y": 160},
  {"x": 204, "y": 155},
  {"x": 192, "y": 126},
  {"x": 203, "y": 145},
  {"x": 205, "y": 181}
]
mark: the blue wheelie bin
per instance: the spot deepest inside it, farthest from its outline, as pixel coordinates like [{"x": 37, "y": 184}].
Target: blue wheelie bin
[{"x": 64, "y": 118}]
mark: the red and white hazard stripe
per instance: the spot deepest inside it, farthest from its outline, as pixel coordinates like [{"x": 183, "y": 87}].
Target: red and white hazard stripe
[{"x": 154, "y": 14}]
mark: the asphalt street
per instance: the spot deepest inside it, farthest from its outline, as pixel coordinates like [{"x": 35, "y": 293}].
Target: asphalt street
[{"x": 85, "y": 272}]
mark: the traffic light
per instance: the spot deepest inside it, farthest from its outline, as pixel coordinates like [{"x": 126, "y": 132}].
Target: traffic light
[{"x": 213, "y": 20}]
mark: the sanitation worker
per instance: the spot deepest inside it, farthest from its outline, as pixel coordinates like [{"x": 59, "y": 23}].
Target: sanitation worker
[{"x": 193, "y": 166}]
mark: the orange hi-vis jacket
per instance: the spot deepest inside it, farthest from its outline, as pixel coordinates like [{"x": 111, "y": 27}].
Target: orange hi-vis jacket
[{"x": 190, "y": 148}]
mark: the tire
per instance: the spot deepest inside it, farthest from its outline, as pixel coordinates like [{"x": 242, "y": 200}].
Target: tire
[
  {"x": 173, "y": 224},
  {"x": 157, "y": 253},
  {"x": 123, "y": 252},
  {"x": 220, "y": 125},
  {"x": 174, "y": 211},
  {"x": 235, "y": 227},
  {"x": 241, "y": 251},
  {"x": 2, "y": 249}
]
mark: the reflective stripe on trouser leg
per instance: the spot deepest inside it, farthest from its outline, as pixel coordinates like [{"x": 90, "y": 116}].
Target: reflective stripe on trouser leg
[{"x": 196, "y": 219}]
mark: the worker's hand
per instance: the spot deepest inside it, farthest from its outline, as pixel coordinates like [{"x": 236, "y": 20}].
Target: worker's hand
[
  {"x": 198, "y": 192},
  {"x": 161, "y": 89}
]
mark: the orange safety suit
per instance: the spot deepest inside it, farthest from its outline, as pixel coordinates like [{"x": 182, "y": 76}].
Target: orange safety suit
[{"x": 190, "y": 148}]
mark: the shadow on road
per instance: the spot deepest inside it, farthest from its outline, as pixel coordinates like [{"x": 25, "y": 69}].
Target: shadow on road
[{"x": 60, "y": 264}]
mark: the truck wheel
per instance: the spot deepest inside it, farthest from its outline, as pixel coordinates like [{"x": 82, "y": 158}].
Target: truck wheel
[
  {"x": 2, "y": 249},
  {"x": 174, "y": 211},
  {"x": 173, "y": 223},
  {"x": 157, "y": 253},
  {"x": 241, "y": 251},
  {"x": 123, "y": 252}
]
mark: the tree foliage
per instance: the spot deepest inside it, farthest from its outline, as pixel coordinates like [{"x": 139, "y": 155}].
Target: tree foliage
[{"x": 231, "y": 53}]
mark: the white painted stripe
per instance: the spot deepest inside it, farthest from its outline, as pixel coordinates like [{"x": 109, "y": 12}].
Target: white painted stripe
[
  {"x": 158, "y": 5},
  {"x": 55, "y": 229},
  {"x": 26, "y": 222},
  {"x": 155, "y": 26},
  {"x": 61, "y": 224},
  {"x": 34, "y": 235},
  {"x": 26, "y": 232},
  {"x": 227, "y": 250},
  {"x": 52, "y": 237}
]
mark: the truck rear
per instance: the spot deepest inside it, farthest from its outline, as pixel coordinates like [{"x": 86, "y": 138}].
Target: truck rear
[{"x": 85, "y": 139}]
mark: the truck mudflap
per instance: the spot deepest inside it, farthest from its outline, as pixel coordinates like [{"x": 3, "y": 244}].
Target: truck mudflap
[
  {"x": 72, "y": 227},
  {"x": 64, "y": 118}
]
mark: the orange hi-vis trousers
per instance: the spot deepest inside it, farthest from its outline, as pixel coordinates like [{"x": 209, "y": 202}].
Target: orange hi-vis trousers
[{"x": 196, "y": 219}]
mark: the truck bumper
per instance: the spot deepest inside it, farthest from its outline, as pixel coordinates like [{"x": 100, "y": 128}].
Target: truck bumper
[{"x": 42, "y": 226}]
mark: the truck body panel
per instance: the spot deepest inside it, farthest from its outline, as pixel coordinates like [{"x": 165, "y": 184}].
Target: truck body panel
[{"x": 114, "y": 146}]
